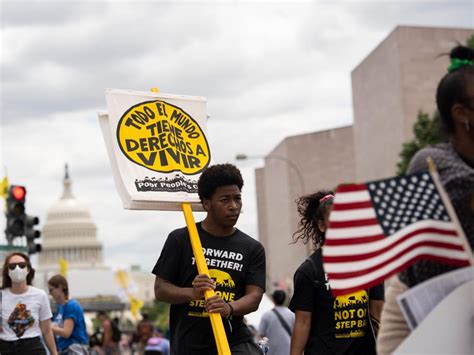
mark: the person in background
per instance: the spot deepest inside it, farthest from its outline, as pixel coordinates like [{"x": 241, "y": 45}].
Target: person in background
[
  {"x": 277, "y": 325},
  {"x": 69, "y": 326},
  {"x": 144, "y": 331},
  {"x": 455, "y": 164},
  {"x": 157, "y": 344},
  {"x": 26, "y": 312},
  {"x": 109, "y": 345},
  {"x": 325, "y": 324},
  {"x": 236, "y": 266}
]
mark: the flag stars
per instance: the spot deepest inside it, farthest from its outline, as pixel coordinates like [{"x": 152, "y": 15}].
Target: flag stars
[{"x": 406, "y": 200}]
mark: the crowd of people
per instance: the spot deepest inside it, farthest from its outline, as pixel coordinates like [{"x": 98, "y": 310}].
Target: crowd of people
[
  {"x": 323, "y": 324},
  {"x": 315, "y": 322},
  {"x": 28, "y": 325}
]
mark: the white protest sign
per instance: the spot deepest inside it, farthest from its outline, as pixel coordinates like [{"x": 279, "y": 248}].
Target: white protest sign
[
  {"x": 447, "y": 329},
  {"x": 157, "y": 147}
]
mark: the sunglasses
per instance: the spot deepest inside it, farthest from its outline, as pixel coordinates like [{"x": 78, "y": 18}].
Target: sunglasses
[{"x": 12, "y": 266}]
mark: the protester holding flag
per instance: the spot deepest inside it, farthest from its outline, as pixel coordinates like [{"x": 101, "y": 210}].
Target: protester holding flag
[
  {"x": 69, "y": 325},
  {"x": 325, "y": 324},
  {"x": 25, "y": 312},
  {"x": 236, "y": 264},
  {"x": 455, "y": 164}
]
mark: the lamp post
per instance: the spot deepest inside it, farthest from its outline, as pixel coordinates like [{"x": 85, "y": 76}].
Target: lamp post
[
  {"x": 292, "y": 165},
  {"x": 277, "y": 157}
]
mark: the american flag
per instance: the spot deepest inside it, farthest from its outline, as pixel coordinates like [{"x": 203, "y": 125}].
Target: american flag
[{"x": 380, "y": 228}]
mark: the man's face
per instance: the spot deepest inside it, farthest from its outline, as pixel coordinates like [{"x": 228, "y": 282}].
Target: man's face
[{"x": 224, "y": 205}]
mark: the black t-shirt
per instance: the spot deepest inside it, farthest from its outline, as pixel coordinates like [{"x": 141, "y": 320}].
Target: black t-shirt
[
  {"x": 234, "y": 262},
  {"x": 339, "y": 325}
]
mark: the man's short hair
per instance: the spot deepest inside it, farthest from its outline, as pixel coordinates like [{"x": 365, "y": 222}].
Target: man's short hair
[
  {"x": 279, "y": 297},
  {"x": 216, "y": 176}
]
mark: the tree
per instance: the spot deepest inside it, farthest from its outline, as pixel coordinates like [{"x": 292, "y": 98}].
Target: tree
[
  {"x": 427, "y": 131},
  {"x": 158, "y": 312},
  {"x": 470, "y": 42}
]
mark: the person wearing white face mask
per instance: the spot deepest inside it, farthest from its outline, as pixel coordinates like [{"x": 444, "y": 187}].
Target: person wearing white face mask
[{"x": 25, "y": 310}]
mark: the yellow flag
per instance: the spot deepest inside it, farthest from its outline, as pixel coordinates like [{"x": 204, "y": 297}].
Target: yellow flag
[
  {"x": 4, "y": 187},
  {"x": 135, "y": 306},
  {"x": 122, "y": 278},
  {"x": 63, "y": 267}
]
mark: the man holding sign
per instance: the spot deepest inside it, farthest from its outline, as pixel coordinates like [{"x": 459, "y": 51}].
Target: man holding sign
[{"x": 236, "y": 265}]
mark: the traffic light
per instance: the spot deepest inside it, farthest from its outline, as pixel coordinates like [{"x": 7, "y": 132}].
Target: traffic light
[
  {"x": 31, "y": 234},
  {"x": 15, "y": 212}
]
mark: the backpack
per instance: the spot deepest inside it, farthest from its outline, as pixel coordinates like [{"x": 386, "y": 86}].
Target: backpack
[{"x": 116, "y": 332}]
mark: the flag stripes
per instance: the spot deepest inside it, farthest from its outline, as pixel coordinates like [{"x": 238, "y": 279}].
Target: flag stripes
[{"x": 379, "y": 228}]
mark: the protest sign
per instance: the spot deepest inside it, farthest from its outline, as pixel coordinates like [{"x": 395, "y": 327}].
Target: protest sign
[
  {"x": 157, "y": 147},
  {"x": 447, "y": 329}
]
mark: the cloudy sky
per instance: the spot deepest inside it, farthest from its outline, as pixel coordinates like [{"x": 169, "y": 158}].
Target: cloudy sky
[{"x": 267, "y": 69}]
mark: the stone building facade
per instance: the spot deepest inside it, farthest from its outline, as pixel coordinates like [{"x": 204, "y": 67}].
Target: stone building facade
[{"x": 389, "y": 87}]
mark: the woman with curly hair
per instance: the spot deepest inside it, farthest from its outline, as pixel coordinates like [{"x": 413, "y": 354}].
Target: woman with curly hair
[{"x": 325, "y": 324}]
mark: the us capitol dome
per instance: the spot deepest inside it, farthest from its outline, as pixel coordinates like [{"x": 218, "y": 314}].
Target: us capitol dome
[{"x": 70, "y": 233}]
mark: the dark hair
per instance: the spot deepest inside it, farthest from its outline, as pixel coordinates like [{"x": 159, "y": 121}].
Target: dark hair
[
  {"x": 6, "y": 281},
  {"x": 312, "y": 211},
  {"x": 452, "y": 89},
  {"x": 59, "y": 281},
  {"x": 216, "y": 176},
  {"x": 279, "y": 297}
]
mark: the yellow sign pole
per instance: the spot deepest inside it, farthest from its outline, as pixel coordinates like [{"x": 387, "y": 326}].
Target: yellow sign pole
[{"x": 216, "y": 319}]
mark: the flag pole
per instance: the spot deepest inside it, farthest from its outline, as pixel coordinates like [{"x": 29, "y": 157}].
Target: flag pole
[
  {"x": 216, "y": 319},
  {"x": 449, "y": 207}
]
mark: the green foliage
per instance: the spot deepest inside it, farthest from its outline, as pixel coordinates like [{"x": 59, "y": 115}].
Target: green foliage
[
  {"x": 427, "y": 131},
  {"x": 158, "y": 312},
  {"x": 470, "y": 42}
]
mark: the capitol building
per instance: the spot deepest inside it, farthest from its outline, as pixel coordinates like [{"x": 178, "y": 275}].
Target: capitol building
[
  {"x": 70, "y": 233},
  {"x": 69, "y": 236}
]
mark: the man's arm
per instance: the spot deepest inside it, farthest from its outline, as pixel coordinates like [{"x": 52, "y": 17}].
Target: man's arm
[
  {"x": 262, "y": 329},
  {"x": 107, "y": 336},
  {"x": 167, "y": 292},
  {"x": 244, "y": 305},
  {"x": 300, "y": 334}
]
